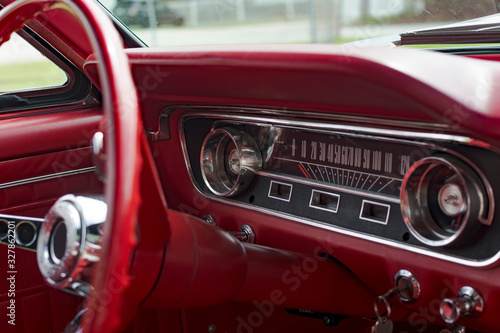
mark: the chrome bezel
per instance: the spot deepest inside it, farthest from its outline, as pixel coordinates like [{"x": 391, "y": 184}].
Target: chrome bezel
[
  {"x": 364, "y": 218},
  {"x": 32, "y": 225},
  {"x": 58, "y": 273},
  {"x": 212, "y": 161},
  {"x": 330, "y": 210},
  {"x": 419, "y": 219},
  {"x": 265, "y": 117},
  {"x": 275, "y": 197},
  {"x": 82, "y": 217},
  {"x": 2, "y": 238},
  {"x": 416, "y": 288},
  {"x": 16, "y": 220}
]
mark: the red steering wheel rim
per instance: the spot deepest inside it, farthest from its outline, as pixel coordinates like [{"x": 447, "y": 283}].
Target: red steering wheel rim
[{"x": 122, "y": 135}]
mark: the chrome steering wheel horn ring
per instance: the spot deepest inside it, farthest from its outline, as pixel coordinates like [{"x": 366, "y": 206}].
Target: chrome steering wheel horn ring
[{"x": 69, "y": 242}]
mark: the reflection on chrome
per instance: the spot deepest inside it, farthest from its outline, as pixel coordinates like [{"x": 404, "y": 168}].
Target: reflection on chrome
[
  {"x": 229, "y": 160},
  {"x": 69, "y": 243},
  {"x": 443, "y": 201}
]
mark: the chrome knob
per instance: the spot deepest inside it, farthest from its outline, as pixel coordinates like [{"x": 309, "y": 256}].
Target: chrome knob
[
  {"x": 245, "y": 234},
  {"x": 469, "y": 303},
  {"x": 210, "y": 219}
]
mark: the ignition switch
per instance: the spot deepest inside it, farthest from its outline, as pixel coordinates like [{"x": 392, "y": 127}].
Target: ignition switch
[{"x": 407, "y": 286}]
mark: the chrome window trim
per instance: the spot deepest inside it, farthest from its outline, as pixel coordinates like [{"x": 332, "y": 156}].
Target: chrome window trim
[
  {"x": 19, "y": 217},
  {"x": 392, "y": 135},
  {"x": 46, "y": 177}
]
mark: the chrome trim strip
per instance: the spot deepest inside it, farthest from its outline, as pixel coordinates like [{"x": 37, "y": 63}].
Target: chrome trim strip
[
  {"x": 357, "y": 130},
  {"x": 21, "y": 218},
  {"x": 374, "y": 220},
  {"x": 320, "y": 115},
  {"x": 409, "y": 248},
  {"x": 46, "y": 177}
]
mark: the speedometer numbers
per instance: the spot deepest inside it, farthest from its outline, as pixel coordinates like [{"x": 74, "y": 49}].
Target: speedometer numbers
[{"x": 344, "y": 161}]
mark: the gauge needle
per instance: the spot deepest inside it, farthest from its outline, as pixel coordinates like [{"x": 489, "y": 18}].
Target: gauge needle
[{"x": 303, "y": 171}]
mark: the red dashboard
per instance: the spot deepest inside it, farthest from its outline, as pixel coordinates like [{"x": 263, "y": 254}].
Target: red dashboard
[{"x": 277, "y": 188}]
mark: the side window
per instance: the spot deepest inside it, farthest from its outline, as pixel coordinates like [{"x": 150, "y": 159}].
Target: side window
[
  {"x": 33, "y": 75},
  {"x": 22, "y": 66}
]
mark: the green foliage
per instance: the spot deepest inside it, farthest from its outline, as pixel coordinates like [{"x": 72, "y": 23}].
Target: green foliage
[{"x": 30, "y": 75}]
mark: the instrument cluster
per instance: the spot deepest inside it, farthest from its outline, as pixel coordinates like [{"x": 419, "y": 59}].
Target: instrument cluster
[{"x": 432, "y": 194}]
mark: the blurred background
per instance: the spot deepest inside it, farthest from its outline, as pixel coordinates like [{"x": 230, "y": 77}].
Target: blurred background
[
  {"x": 181, "y": 22},
  {"x": 168, "y": 23}
]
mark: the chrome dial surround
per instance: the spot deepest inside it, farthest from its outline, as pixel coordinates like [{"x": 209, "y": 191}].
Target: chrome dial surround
[
  {"x": 31, "y": 228},
  {"x": 443, "y": 201},
  {"x": 224, "y": 172},
  {"x": 69, "y": 242}
]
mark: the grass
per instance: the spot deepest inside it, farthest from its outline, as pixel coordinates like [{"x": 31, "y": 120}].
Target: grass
[{"x": 30, "y": 75}]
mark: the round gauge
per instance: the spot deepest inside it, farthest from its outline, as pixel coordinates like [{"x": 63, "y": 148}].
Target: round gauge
[
  {"x": 443, "y": 201},
  {"x": 229, "y": 160}
]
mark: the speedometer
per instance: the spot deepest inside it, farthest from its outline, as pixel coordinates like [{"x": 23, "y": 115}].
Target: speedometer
[
  {"x": 404, "y": 188},
  {"x": 344, "y": 161}
]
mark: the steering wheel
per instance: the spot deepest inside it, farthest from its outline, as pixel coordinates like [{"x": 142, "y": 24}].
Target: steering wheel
[{"x": 122, "y": 133}]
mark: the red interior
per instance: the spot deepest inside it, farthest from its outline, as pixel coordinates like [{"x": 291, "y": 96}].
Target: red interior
[{"x": 422, "y": 90}]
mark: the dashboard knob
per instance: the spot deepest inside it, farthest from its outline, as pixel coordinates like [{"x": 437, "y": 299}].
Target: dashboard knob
[
  {"x": 245, "y": 234},
  {"x": 469, "y": 303},
  {"x": 229, "y": 160}
]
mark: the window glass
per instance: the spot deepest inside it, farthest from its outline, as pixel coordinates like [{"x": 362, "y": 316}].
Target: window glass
[
  {"x": 23, "y": 67},
  {"x": 199, "y": 22}
]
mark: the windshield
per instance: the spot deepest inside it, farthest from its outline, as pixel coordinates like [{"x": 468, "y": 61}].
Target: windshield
[{"x": 202, "y": 22}]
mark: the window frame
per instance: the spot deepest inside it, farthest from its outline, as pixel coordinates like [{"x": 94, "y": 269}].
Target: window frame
[{"x": 76, "y": 90}]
